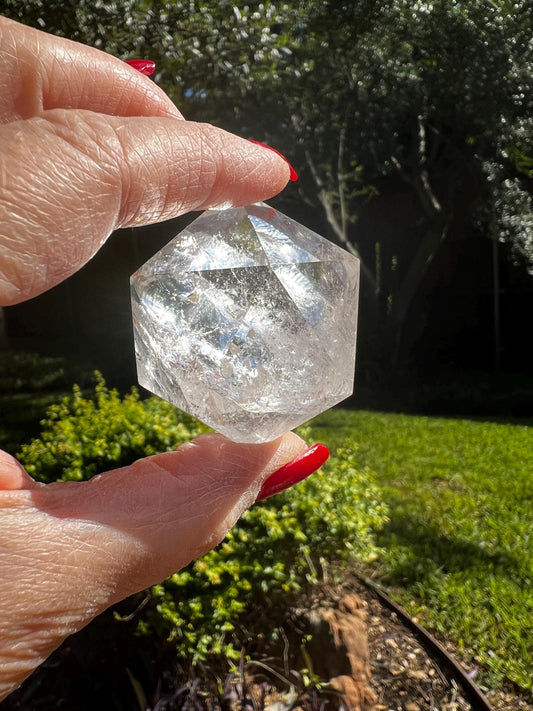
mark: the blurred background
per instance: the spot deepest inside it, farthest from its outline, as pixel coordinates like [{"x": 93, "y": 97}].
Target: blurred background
[{"x": 411, "y": 127}]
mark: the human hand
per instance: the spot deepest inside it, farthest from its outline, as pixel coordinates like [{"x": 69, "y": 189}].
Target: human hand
[{"x": 89, "y": 145}]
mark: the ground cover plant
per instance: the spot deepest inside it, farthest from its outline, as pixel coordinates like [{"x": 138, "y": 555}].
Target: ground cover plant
[{"x": 458, "y": 545}]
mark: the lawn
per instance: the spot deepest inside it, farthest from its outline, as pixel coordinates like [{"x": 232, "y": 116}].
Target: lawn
[{"x": 459, "y": 544}]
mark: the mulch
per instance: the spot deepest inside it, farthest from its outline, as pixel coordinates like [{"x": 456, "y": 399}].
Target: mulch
[
  {"x": 391, "y": 668},
  {"x": 406, "y": 677}
]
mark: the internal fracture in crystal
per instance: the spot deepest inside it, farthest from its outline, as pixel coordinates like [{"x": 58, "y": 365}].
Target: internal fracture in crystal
[{"x": 247, "y": 320}]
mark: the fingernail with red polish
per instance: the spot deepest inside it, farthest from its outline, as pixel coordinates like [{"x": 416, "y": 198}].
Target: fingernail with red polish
[
  {"x": 295, "y": 471},
  {"x": 145, "y": 66},
  {"x": 293, "y": 174}
]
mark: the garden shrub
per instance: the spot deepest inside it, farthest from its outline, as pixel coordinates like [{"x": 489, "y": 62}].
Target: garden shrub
[
  {"x": 277, "y": 548},
  {"x": 85, "y": 435}
]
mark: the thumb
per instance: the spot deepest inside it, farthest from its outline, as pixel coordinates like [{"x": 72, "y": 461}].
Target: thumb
[
  {"x": 75, "y": 176},
  {"x": 69, "y": 550}
]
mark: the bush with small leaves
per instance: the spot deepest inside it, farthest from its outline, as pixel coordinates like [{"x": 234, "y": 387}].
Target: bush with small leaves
[{"x": 85, "y": 435}]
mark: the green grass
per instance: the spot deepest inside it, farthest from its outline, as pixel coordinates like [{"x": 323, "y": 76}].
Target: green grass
[{"x": 459, "y": 544}]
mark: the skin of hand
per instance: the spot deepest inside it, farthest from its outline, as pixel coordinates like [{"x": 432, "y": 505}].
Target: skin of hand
[{"x": 87, "y": 145}]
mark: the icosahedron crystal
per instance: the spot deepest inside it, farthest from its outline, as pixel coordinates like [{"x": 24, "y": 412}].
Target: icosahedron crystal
[{"x": 247, "y": 320}]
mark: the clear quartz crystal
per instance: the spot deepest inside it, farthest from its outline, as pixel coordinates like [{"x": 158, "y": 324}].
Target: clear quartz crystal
[{"x": 247, "y": 320}]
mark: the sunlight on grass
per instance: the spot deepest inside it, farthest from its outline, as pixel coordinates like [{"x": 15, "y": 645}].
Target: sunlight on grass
[{"x": 459, "y": 548}]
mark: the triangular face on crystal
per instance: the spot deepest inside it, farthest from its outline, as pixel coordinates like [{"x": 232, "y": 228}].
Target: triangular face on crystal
[
  {"x": 220, "y": 245},
  {"x": 302, "y": 239},
  {"x": 278, "y": 246},
  {"x": 247, "y": 320},
  {"x": 215, "y": 240}
]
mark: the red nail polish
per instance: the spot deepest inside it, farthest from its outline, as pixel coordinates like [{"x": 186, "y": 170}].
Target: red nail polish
[
  {"x": 295, "y": 471},
  {"x": 293, "y": 174},
  {"x": 145, "y": 66}
]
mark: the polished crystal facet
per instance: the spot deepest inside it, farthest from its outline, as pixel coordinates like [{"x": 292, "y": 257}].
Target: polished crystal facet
[{"x": 247, "y": 320}]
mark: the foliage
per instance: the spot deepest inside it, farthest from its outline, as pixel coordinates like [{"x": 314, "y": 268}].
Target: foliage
[
  {"x": 513, "y": 217},
  {"x": 277, "y": 548},
  {"x": 23, "y": 371},
  {"x": 458, "y": 547},
  {"x": 426, "y": 97},
  {"x": 83, "y": 436}
]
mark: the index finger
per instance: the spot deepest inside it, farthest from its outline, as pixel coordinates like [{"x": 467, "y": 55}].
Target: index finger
[{"x": 42, "y": 72}]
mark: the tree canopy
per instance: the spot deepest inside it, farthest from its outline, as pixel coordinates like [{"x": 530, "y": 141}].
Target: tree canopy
[{"x": 431, "y": 99}]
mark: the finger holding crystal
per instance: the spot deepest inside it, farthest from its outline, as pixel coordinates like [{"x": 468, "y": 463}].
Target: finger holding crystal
[{"x": 75, "y": 176}]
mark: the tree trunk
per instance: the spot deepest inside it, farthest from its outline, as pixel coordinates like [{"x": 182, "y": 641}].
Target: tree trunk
[
  {"x": 403, "y": 297},
  {"x": 438, "y": 220}
]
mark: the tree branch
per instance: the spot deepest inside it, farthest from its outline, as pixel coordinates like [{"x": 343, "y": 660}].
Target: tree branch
[
  {"x": 419, "y": 179},
  {"x": 427, "y": 195},
  {"x": 328, "y": 208},
  {"x": 340, "y": 175},
  {"x": 404, "y": 175}
]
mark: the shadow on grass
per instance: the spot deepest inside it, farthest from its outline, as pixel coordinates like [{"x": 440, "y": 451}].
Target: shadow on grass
[{"x": 418, "y": 551}]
